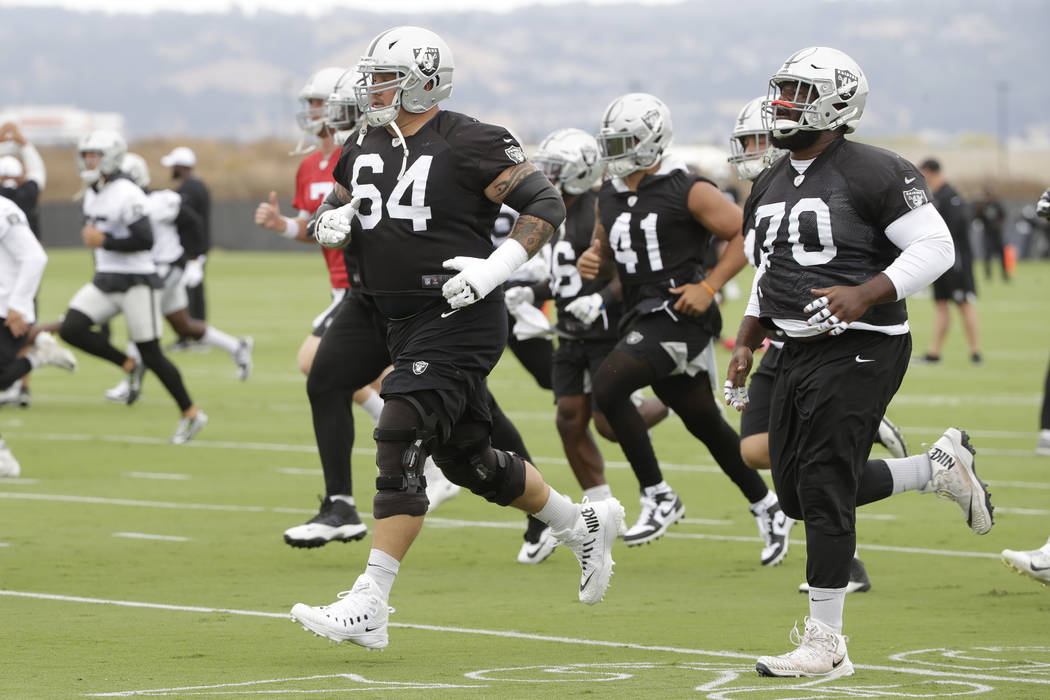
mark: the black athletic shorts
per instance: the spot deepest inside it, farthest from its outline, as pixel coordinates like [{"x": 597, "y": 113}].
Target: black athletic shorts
[
  {"x": 9, "y": 345},
  {"x": 828, "y": 399},
  {"x": 449, "y": 352},
  {"x": 755, "y": 418},
  {"x": 575, "y": 364},
  {"x": 669, "y": 346},
  {"x": 955, "y": 285}
]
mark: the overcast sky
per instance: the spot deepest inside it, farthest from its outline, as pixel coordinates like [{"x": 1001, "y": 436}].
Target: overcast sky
[{"x": 313, "y": 8}]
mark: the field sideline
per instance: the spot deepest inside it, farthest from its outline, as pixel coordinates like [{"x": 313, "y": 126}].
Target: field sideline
[{"x": 129, "y": 566}]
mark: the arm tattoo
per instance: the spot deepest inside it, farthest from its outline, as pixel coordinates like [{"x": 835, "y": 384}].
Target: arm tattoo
[
  {"x": 508, "y": 180},
  {"x": 340, "y": 194},
  {"x": 531, "y": 232}
]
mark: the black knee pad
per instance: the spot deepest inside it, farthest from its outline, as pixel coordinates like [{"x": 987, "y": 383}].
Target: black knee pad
[
  {"x": 404, "y": 436},
  {"x": 495, "y": 475}
]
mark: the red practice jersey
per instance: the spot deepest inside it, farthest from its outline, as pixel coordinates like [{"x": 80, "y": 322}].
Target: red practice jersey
[{"x": 313, "y": 182}]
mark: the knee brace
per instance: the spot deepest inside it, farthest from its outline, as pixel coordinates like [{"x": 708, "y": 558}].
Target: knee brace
[
  {"x": 495, "y": 475},
  {"x": 406, "y": 431}
]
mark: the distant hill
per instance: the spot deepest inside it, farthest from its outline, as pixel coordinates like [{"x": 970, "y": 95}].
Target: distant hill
[{"x": 934, "y": 67}]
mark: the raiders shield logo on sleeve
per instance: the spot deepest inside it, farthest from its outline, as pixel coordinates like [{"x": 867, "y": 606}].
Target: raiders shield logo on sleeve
[
  {"x": 915, "y": 198},
  {"x": 419, "y": 367},
  {"x": 515, "y": 154}
]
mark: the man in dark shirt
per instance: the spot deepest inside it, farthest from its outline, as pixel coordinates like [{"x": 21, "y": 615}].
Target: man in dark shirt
[
  {"x": 194, "y": 195},
  {"x": 957, "y": 283}
]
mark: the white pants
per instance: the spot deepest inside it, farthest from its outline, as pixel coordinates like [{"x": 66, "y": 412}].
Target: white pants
[
  {"x": 173, "y": 295},
  {"x": 140, "y": 305}
]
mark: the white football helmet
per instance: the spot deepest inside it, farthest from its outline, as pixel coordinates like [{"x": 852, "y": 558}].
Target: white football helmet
[
  {"x": 422, "y": 66},
  {"x": 635, "y": 133},
  {"x": 750, "y": 163},
  {"x": 320, "y": 85},
  {"x": 135, "y": 167},
  {"x": 825, "y": 89},
  {"x": 569, "y": 158},
  {"x": 341, "y": 109},
  {"x": 110, "y": 146}
]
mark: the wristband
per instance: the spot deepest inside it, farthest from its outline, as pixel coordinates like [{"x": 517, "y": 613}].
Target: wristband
[
  {"x": 291, "y": 227},
  {"x": 709, "y": 288}
]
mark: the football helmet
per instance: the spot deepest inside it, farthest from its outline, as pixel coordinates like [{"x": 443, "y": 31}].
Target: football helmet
[
  {"x": 110, "y": 146},
  {"x": 422, "y": 66},
  {"x": 817, "y": 89},
  {"x": 749, "y": 164},
  {"x": 341, "y": 109},
  {"x": 635, "y": 133},
  {"x": 320, "y": 85},
  {"x": 569, "y": 158},
  {"x": 135, "y": 167}
]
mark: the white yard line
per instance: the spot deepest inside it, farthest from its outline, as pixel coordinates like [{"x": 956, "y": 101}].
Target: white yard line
[
  {"x": 510, "y": 634},
  {"x": 157, "y": 475},
  {"x": 144, "y": 536}
]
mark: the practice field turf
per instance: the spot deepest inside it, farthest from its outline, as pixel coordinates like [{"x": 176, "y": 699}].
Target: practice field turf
[{"x": 130, "y": 566}]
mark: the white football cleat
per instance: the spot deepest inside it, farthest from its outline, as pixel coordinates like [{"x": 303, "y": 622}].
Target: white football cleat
[
  {"x": 359, "y": 616},
  {"x": 954, "y": 478},
  {"x": 1042, "y": 447},
  {"x": 119, "y": 393},
  {"x": 774, "y": 526},
  {"x": 47, "y": 351},
  {"x": 659, "y": 512},
  {"x": 1034, "y": 563},
  {"x": 591, "y": 539},
  {"x": 538, "y": 551},
  {"x": 243, "y": 357},
  {"x": 890, "y": 437},
  {"x": 439, "y": 488},
  {"x": 9, "y": 466},
  {"x": 820, "y": 652},
  {"x": 188, "y": 427}
]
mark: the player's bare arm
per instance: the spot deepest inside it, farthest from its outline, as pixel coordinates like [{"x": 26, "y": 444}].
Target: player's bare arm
[
  {"x": 748, "y": 337},
  {"x": 540, "y": 208}
]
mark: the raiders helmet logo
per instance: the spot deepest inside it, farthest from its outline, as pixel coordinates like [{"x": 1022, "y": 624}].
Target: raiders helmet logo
[
  {"x": 428, "y": 60},
  {"x": 515, "y": 154},
  {"x": 589, "y": 154},
  {"x": 915, "y": 198},
  {"x": 419, "y": 367},
  {"x": 652, "y": 119},
  {"x": 13, "y": 219},
  {"x": 845, "y": 83}
]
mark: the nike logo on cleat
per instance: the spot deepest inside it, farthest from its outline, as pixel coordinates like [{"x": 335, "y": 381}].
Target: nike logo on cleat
[
  {"x": 590, "y": 519},
  {"x": 371, "y": 629},
  {"x": 1033, "y": 567},
  {"x": 586, "y": 581}
]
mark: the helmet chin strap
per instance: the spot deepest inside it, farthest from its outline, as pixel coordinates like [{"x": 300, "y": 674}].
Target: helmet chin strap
[{"x": 401, "y": 140}]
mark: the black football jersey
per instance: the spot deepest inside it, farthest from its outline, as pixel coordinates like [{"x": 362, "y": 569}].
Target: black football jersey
[
  {"x": 653, "y": 235},
  {"x": 827, "y": 227},
  {"x": 406, "y": 228},
  {"x": 572, "y": 238},
  {"x": 956, "y": 214}
]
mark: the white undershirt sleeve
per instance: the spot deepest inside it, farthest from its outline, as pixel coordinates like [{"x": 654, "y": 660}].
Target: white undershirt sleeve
[
  {"x": 926, "y": 247},
  {"x": 28, "y": 259},
  {"x": 753, "y": 308},
  {"x": 34, "y": 165}
]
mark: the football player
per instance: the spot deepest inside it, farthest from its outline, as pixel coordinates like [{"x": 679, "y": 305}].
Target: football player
[
  {"x": 125, "y": 281},
  {"x": 22, "y": 262},
  {"x": 654, "y": 222},
  {"x": 175, "y": 227},
  {"x": 588, "y": 312},
  {"x": 417, "y": 192},
  {"x": 845, "y": 231}
]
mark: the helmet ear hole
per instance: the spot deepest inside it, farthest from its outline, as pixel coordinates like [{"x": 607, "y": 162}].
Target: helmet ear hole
[{"x": 430, "y": 84}]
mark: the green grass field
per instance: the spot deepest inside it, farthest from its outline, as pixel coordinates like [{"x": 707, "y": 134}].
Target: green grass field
[{"x": 88, "y": 606}]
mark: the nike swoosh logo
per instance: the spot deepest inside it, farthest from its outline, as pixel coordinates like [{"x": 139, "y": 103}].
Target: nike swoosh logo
[
  {"x": 1033, "y": 567},
  {"x": 858, "y": 358},
  {"x": 530, "y": 553},
  {"x": 446, "y": 314},
  {"x": 586, "y": 581},
  {"x": 909, "y": 180},
  {"x": 820, "y": 600},
  {"x": 371, "y": 629}
]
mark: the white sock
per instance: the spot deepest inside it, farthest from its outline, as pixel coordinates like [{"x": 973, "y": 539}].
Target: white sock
[
  {"x": 909, "y": 473},
  {"x": 382, "y": 568},
  {"x": 349, "y": 500},
  {"x": 374, "y": 405},
  {"x": 597, "y": 493},
  {"x": 768, "y": 500},
  {"x": 826, "y": 604},
  {"x": 216, "y": 338},
  {"x": 650, "y": 491},
  {"x": 132, "y": 351},
  {"x": 559, "y": 512}
]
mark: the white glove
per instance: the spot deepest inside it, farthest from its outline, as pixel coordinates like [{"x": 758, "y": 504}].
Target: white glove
[
  {"x": 586, "y": 308},
  {"x": 333, "y": 226},
  {"x": 193, "y": 273},
  {"x": 479, "y": 276},
  {"x": 736, "y": 396},
  {"x": 823, "y": 319},
  {"x": 516, "y": 296},
  {"x": 530, "y": 323},
  {"x": 1042, "y": 207}
]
